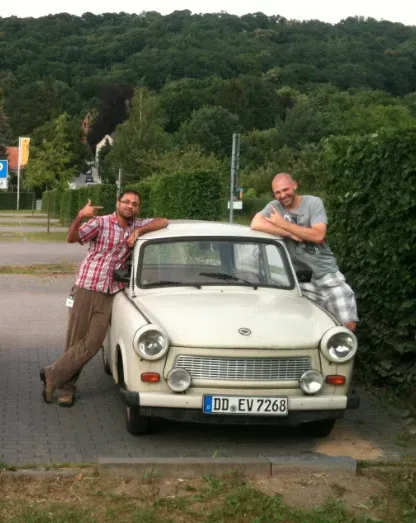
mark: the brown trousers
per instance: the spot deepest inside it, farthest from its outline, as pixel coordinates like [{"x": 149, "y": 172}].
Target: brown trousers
[{"x": 87, "y": 327}]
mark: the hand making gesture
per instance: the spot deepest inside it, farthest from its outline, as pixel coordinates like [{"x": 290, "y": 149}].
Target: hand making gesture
[{"x": 89, "y": 211}]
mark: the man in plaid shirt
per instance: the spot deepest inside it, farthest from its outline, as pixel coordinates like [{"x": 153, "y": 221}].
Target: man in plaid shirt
[
  {"x": 302, "y": 222},
  {"x": 111, "y": 239}
]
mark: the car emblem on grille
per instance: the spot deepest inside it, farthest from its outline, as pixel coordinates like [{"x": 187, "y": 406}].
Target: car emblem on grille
[{"x": 244, "y": 332}]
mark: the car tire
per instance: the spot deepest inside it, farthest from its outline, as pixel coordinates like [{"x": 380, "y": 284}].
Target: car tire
[
  {"x": 106, "y": 366},
  {"x": 135, "y": 423},
  {"x": 321, "y": 428}
]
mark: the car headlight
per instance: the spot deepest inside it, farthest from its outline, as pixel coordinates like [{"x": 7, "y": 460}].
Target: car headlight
[
  {"x": 311, "y": 381},
  {"x": 339, "y": 345},
  {"x": 179, "y": 379},
  {"x": 150, "y": 342}
]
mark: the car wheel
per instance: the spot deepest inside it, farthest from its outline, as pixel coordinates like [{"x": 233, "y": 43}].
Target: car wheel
[
  {"x": 106, "y": 366},
  {"x": 135, "y": 423},
  {"x": 321, "y": 428}
]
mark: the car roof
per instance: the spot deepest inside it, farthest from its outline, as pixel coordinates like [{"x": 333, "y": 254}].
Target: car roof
[{"x": 177, "y": 228}]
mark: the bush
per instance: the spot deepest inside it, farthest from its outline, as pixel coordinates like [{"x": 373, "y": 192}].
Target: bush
[
  {"x": 252, "y": 206},
  {"x": 187, "y": 195},
  {"x": 371, "y": 195},
  {"x": 65, "y": 204},
  {"x": 8, "y": 200},
  {"x": 55, "y": 202}
]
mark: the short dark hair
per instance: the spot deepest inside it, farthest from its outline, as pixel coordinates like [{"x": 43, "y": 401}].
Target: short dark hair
[{"x": 129, "y": 192}]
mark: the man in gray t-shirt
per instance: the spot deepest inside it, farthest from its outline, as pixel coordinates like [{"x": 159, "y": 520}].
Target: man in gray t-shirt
[{"x": 302, "y": 222}]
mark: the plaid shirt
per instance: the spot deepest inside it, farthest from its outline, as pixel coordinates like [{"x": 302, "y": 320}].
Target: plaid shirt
[{"x": 108, "y": 251}]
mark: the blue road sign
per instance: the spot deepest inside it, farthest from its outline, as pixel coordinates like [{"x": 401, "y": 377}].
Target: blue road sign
[{"x": 4, "y": 168}]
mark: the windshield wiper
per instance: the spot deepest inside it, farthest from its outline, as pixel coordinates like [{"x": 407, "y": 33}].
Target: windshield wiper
[
  {"x": 227, "y": 277},
  {"x": 170, "y": 282}
]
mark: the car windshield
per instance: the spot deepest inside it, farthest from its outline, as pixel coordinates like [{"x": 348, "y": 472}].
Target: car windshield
[{"x": 205, "y": 261}]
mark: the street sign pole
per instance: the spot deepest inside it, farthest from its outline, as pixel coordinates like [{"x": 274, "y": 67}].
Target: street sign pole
[
  {"x": 18, "y": 178},
  {"x": 118, "y": 183},
  {"x": 234, "y": 168}
]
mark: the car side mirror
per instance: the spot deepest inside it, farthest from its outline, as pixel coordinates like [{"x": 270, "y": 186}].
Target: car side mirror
[
  {"x": 304, "y": 275},
  {"x": 121, "y": 275}
]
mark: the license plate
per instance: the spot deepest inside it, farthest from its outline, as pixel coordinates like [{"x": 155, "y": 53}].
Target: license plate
[{"x": 247, "y": 405}]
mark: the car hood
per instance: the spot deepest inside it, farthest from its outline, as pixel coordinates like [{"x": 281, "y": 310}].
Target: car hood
[{"x": 275, "y": 319}]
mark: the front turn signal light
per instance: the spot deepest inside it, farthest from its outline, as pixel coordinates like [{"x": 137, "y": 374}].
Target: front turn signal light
[
  {"x": 150, "y": 377},
  {"x": 335, "y": 379}
]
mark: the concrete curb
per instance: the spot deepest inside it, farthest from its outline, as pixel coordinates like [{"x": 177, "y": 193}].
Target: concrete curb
[
  {"x": 43, "y": 473},
  {"x": 192, "y": 467}
]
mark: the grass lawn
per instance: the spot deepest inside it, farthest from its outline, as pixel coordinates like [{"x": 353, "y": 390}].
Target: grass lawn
[
  {"x": 40, "y": 268},
  {"x": 387, "y": 496},
  {"x": 12, "y": 236},
  {"x": 21, "y": 211},
  {"x": 19, "y": 223}
]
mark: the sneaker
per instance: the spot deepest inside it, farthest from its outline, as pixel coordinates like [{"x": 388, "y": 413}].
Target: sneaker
[{"x": 48, "y": 387}]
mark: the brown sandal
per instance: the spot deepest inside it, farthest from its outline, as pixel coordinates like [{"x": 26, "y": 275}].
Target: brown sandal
[
  {"x": 48, "y": 387},
  {"x": 67, "y": 399}
]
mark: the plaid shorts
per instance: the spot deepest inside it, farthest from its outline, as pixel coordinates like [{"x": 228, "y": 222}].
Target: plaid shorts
[{"x": 334, "y": 294}]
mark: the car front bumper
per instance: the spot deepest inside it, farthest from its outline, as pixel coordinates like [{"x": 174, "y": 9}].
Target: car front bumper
[{"x": 180, "y": 407}]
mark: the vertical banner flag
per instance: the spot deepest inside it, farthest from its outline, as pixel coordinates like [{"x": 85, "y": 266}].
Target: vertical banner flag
[{"x": 24, "y": 151}]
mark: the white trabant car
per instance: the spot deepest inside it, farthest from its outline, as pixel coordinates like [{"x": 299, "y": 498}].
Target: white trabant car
[{"x": 213, "y": 328}]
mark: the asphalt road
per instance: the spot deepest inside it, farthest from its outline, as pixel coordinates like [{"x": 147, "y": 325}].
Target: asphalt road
[
  {"x": 32, "y": 332},
  {"x": 27, "y": 253}
]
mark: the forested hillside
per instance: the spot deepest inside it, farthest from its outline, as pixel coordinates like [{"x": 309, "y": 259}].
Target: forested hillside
[{"x": 283, "y": 84}]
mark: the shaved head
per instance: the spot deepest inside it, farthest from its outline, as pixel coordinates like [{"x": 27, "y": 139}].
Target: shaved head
[
  {"x": 284, "y": 190},
  {"x": 283, "y": 177}
]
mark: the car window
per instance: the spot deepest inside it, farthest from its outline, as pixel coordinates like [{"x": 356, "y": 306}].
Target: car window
[{"x": 214, "y": 262}]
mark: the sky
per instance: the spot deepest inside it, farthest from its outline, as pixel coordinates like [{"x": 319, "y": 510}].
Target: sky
[{"x": 325, "y": 10}]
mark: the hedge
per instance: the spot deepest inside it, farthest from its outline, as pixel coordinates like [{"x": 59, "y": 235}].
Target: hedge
[
  {"x": 8, "y": 200},
  {"x": 183, "y": 195},
  {"x": 65, "y": 204},
  {"x": 371, "y": 199}
]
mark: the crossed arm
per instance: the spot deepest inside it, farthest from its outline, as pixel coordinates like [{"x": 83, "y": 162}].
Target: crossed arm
[{"x": 279, "y": 226}]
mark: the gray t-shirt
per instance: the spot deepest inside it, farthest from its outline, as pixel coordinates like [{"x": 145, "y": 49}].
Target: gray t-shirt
[{"x": 306, "y": 255}]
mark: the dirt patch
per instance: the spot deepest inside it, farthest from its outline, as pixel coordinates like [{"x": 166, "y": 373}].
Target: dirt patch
[
  {"x": 343, "y": 442},
  {"x": 311, "y": 489},
  {"x": 297, "y": 489}
]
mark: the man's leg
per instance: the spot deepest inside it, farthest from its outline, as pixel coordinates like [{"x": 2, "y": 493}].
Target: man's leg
[
  {"x": 312, "y": 291},
  {"x": 335, "y": 295},
  {"x": 89, "y": 318},
  {"x": 341, "y": 301},
  {"x": 78, "y": 323}
]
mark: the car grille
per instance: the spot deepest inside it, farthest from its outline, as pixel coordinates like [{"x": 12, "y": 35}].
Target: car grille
[{"x": 252, "y": 369}]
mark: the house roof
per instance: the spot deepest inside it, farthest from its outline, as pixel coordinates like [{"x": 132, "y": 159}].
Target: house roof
[{"x": 13, "y": 157}]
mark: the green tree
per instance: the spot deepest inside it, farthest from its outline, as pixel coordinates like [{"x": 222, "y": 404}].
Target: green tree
[
  {"x": 212, "y": 128},
  {"x": 260, "y": 147},
  {"x": 179, "y": 99},
  {"x": 190, "y": 159},
  {"x": 80, "y": 152},
  {"x": 51, "y": 163},
  {"x": 5, "y": 134},
  {"x": 140, "y": 139},
  {"x": 326, "y": 111},
  {"x": 31, "y": 105}
]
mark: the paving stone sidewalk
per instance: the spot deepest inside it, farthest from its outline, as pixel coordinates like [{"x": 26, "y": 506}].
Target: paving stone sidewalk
[
  {"x": 34, "y": 432},
  {"x": 32, "y": 330}
]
